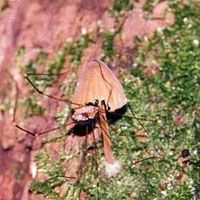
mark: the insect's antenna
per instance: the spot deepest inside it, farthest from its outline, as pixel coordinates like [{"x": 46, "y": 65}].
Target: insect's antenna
[
  {"x": 110, "y": 92},
  {"x": 137, "y": 119},
  {"x": 50, "y": 96}
]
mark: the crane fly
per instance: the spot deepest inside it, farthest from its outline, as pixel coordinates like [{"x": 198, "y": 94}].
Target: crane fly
[
  {"x": 98, "y": 100},
  {"x": 103, "y": 98}
]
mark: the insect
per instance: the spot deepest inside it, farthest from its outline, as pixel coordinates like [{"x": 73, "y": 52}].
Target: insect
[
  {"x": 98, "y": 100},
  {"x": 104, "y": 101}
]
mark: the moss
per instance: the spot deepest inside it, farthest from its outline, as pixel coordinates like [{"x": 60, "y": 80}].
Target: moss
[
  {"x": 149, "y": 168},
  {"x": 120, "y": 6},
  {"x": 175, "y": 49},
  {"x": 45, "y": 189},
  {"x": 54, "y": 176},
  {"x": 108, "y": 45},
  {"x": 150, "y": 4},
  {"x": 76, "y": 48},
  {"x": 32, "y": 108},
  {"x": 178, "y": 57}
]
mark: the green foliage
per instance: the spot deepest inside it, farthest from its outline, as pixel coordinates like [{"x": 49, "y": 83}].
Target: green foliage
[
  {"x": 32, "y": 108},
  {"x": 52, "y": 72},
  {"x": 54, "y": 175},
  {"x": 174, "y": 89},
  {"x": 120, "y": 6},
  {"x": 108, "y": 45},
  {"x": 75, "y": 49},
  {"x": 177, "y": 51},
  {"x": 150, "y": 4},
  {"x": 58, "y": 64}
]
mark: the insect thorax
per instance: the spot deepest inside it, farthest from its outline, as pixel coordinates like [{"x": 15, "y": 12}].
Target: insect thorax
[{"x": 87, "y": 117}]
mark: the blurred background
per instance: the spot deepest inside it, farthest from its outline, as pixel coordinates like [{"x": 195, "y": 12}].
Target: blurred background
[{"x": 153, "y": 48}]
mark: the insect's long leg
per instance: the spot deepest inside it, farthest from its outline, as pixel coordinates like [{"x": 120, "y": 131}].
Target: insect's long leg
[
  {"x": 135, "y": 117},
  {"x": 148, "y": 158},
  {"x": 50, "y": 96},
  {"x": 44, "y": 74},
  {"x": 80, "y": 168},
  {"x": 43, "y": 132},
  {"x": 138, "y": 119},
  {"x": 16, "y": 102},
  {"x": 96, "y": 159},
  {"x": 95, "y": 145}
]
